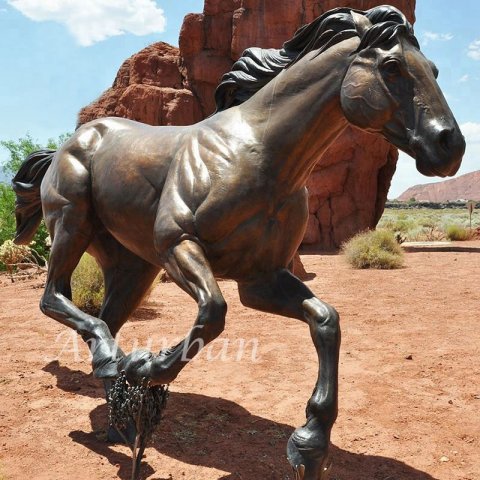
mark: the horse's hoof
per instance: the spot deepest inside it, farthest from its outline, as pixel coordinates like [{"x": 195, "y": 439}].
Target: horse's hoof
[
  {"x": 308, "y": 455},
  {"x": 137, "y": 366}
]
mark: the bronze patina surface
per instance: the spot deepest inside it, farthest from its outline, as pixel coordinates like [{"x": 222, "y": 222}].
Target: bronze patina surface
[{"x": 226, "y": 198}]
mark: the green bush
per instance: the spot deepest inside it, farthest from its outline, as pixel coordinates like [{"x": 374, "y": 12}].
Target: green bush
[
  {"x": 88, "y": 286},
  {"x": 458, "y": 233},
  {"x": 20, "y": 149},
  {"x": 7, "y": 213},
  {"x": 374, "y": 249}
]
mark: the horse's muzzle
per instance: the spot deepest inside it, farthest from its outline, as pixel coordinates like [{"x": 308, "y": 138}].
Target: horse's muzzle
[{"x": 439, "y": 151}]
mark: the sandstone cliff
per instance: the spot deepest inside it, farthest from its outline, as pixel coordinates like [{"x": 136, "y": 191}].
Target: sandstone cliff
[
  {"x": 464, "y": 187},
  {"x": 163, "y": 85}
]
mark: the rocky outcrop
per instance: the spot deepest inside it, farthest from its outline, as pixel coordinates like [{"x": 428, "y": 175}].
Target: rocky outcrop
[
  {"x": 163, "y": 85},
  {"x": 464, "y": 187},
  {"x": 150, "y": 88}
]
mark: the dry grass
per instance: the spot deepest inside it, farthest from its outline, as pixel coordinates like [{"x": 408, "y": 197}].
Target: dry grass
[
  {"x": 374, "y": 249},
  {"x": 425, "y": 224},
  {"x": 458, "y": 233},
  {"x": 87, "y": 285}
]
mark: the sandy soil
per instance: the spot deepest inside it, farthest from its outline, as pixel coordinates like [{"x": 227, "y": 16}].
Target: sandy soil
[{"x": 409, "y": 386}]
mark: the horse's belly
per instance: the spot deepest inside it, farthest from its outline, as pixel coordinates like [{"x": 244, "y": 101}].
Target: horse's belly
[
  {"x": 260, "y": 244},
  {"x": 247, "y": 263}
]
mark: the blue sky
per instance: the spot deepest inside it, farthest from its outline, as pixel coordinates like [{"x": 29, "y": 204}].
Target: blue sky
[{"x": 59, "y": 55}]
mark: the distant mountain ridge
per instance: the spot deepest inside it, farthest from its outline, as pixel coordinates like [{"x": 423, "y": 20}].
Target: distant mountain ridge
[{"x": 464, "y": 187}]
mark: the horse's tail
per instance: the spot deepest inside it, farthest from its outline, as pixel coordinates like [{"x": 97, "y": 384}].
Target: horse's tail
[{"x": 26, "y": 185}]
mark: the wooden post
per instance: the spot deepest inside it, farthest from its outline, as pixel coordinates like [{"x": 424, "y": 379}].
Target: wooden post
[{"x": 470, "y": 208}]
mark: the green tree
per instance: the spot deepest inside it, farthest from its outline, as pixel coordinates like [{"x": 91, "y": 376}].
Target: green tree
[
  {"x": 7, "y": 212},
  {"x": 24, "y": 146},
  {"x": 18, "y": 151}
]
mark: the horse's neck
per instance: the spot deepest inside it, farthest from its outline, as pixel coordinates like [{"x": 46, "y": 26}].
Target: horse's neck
[{"x": 298, "y": 115}]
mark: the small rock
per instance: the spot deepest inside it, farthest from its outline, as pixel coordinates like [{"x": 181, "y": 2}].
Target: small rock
[
  {"x": 450, "y": 402},
  {"x": 444, "y": 459},
  {"x": 409, "y": 357}
]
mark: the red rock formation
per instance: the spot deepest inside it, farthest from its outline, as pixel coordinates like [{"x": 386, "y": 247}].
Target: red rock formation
[
  {"x": 464, "y": 187},
  {"x": 150, "y": 88},
  {"x": 163, "y": 85},
  {"x": 347, "y": 192}
]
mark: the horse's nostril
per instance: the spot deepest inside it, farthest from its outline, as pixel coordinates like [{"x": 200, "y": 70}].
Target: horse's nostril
[{"x": 445, "y": 138}]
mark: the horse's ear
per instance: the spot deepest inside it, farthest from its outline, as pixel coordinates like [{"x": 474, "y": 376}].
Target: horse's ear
[{"x": 362, "y": 23}]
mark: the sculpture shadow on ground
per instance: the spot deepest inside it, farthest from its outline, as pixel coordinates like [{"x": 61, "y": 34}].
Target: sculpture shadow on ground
[
  {"x": 218, "y": 433},
  {"x": 75, "y": 381}
]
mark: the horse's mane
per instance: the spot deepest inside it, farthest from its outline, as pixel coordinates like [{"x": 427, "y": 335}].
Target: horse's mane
[{"x": 257, "y": 66}]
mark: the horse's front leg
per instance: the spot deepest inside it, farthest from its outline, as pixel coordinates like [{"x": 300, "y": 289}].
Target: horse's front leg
[
  {"x": 284, "y": 294},
  {"x": 187, "y": 265}
]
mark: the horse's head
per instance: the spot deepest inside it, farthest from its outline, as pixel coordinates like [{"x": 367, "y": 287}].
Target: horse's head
[{"x": 390, "y": 88}]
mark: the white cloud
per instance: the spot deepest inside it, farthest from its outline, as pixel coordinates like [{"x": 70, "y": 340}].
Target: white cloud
[
  {"x": 91, "y": 21},
  {"x": 464, "y": 78},
  {"x": 435, "y": 37},
  {"x": 474, "y": 50},
  {"x": 471, "y": 132}
]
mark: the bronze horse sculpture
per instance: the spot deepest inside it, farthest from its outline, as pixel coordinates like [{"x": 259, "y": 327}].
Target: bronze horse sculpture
[{"x": 226, "y": 198}]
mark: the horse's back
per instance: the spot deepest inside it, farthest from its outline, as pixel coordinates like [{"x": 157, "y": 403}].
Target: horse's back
[{"x": 116, "y": 169}]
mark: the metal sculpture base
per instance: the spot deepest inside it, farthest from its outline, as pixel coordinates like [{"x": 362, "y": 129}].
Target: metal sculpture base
[{"x": 138, "y": 405}]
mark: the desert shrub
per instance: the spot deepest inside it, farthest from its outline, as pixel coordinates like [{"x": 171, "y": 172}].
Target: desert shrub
[
  {"x": 11, "y": 254},
  {"x": 426, "y": 234},
  {"x": 402, "y": 225},
  {"x": 87, "y": 285},
  {"x": 374, "y": 249},
  {"x": 458, "y": 233},
  {"x": 20, "y": 261},
  {"x": 428, "y": 222}
]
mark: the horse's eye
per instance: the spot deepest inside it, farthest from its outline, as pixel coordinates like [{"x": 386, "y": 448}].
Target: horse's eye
[{"x": 391, "y": 68}]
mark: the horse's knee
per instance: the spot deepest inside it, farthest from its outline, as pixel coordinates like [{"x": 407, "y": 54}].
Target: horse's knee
[{"x": 323, "y": 318}]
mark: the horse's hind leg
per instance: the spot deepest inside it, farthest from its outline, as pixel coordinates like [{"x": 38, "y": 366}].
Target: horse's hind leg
[
  {"x": 284, "y": 294},
  {"x": 127, "y": 279},
  {"x": 67, "y": 214}
]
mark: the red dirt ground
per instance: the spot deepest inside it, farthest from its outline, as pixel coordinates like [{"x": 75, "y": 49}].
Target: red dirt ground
[{"x": 409, "y": 383}]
